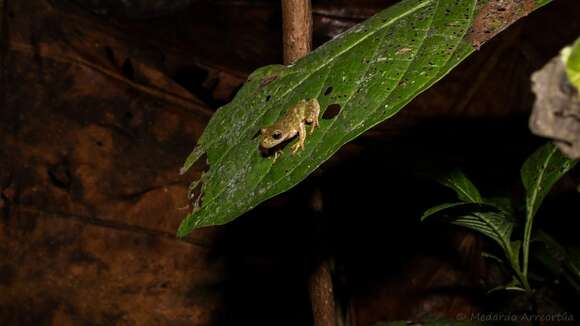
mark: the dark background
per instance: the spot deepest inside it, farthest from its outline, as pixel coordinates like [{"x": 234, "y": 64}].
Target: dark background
[{"x": 102, "y": 101}]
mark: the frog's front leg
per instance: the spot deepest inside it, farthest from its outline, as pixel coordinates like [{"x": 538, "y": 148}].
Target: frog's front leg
[
  {"x": 301, "y": 138},
  {"x": 275, "y": 156}
]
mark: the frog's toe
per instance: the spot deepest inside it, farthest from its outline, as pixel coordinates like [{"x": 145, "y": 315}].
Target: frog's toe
[{"x": 295, "y": 148}]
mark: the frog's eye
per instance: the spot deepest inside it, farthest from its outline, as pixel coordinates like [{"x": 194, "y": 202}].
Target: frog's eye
[{"x": 277, "y": 134}]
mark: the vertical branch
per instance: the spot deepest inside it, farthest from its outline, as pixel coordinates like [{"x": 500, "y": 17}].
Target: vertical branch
[
  {"x": 322, "y": 295},
  {"x": 297, "y": 29},
  {"x": 320, "y": 284}
]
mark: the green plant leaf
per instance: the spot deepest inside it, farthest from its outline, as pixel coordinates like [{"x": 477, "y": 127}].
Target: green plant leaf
[
  {"x": 504, "y": 204},
  {"x": 495, "y": 225},
  {"x": 492, "y": 257},
  {"x": 464, "y": 188},
  {"x": 540, "y": 172},
  {"x": 458, "y": 205},
  {"x": 515, "y": 247},
  {"x": 439, "y": 208},
  {"x": 514, "y": 285},
  {"x": 371, "y": 72}
]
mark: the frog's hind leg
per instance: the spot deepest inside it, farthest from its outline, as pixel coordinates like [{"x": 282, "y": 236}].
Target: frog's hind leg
[
  {"x": 312, "y": 113},
  {"x": 315, "y": 124},
  {"x": 301, "y": 138}
]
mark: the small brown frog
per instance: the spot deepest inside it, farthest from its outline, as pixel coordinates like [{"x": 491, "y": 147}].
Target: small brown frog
[{"x": 290, "y": 124}]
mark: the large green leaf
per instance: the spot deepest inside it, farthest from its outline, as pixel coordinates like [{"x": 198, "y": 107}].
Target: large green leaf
[{"x": 370, "y": 71}]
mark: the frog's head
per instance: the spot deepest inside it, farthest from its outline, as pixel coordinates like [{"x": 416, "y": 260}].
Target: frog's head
[{"x": 271, "y": 137}]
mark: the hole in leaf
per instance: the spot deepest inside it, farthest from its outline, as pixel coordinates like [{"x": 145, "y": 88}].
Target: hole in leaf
[
  {"x": 194, "y": 194},
  {"x": 331, "y": 111},
  {"x": 328, "y": 91}
]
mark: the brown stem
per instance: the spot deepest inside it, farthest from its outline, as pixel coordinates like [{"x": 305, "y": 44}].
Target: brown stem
[
  {"x": 322, "y": 295},
  {"x": 297, "y": 25},
  {"x": 320, "y": 283}
]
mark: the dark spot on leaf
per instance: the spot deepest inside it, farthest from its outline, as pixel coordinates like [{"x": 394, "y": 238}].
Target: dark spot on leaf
[
  {"x": 202, "y": 162},
  {"x": 328, "y": 91},
  {"x": 331, "y": 111},
  {"x": 268, "y": 98},
  {"x": 128, "y": 70},
  {"x": 194, "y": 194}
]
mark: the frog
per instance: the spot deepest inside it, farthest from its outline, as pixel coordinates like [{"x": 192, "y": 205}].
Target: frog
[{"x": 292, "y": 123}]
